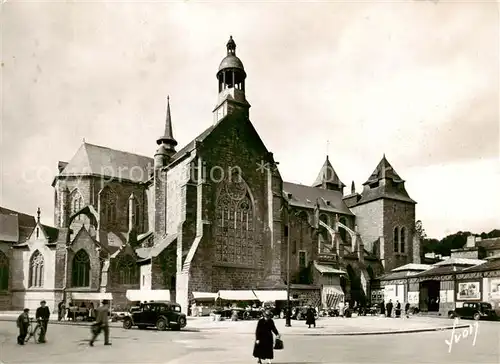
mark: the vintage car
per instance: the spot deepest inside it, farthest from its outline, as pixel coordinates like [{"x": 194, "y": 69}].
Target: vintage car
[
  {"x": 474, "y": 310},
  {"x": 161, "y": 315}
]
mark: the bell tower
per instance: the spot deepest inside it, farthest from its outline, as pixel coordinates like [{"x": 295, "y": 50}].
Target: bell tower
[{"x": 231, "y": 77}]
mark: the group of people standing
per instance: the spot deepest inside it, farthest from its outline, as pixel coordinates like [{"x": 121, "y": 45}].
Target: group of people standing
[
  {"x": 386, "y": 309},
  {"x": 42, "y": 317}
]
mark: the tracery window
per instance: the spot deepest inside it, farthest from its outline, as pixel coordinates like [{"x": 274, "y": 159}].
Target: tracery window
[
  {"x": 109, "y": 204},
  {"x": 127, "y": 270},
  {"x": 81, "y": 269},
  {"x": 76, "y": 203},
  {"x": 36, "y": 269},
  {"x": 396, "y": 239},
  {"x": 235, "y": 238},
  {"x": 4, "y": 272},
  {"x": 403, "y": 240}
]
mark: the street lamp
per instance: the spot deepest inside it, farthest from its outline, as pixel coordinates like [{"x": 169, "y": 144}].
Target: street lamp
[{"x": 288, "y": 321}]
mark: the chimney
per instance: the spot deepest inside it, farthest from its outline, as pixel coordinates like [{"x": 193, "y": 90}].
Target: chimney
[{"x": 471, "y": 241}]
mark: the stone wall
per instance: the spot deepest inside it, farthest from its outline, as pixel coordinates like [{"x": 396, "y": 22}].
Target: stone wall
[
  {"x": 88, "y": 188},
  {"x": 398, "y": 214},
  {"x": 115, "y": 286},
  {"x": 84, "y": 241},
  {"x": 6, "y": 295},
  {"x": 370, "y": 222},
  {"x": 234, "y": 143}
]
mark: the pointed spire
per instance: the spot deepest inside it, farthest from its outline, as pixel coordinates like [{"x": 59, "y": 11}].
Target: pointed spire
[
  {"x": 38, "y": 212},
  {"x": 328, "y": 178},
  {"x": 353, "y": 188},
  {"x": 168, "y": 136},
  {"x": 382, "y": 171}
]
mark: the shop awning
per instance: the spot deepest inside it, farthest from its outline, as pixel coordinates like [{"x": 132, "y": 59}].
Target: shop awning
[
  {"x": 91, "y": 296},
  {"x": 328, "y": 269},
  {"x": 266, "y": 296},
  {"x": 204, "y": 296},
  {"x": 333, "y": 290},
  {"x": 237, "y": 295},
  {"x": 148, "y": 295}
]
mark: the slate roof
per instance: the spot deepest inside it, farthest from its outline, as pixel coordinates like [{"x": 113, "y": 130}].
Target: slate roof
[
  {"x": 51, "y": 233},
  {"x": 491, "y": 243},
  {"x": 412, "y": 266},
  {"x": 383, "y": 170},
  {"x": 15, "y": 226},
  {"x": 392, "y": 189},
  {"x": 459, "y": 261},
  {"x": 95, "y": 160},
  {"x": 306, "y": 197},
  {"x": 491, "y": 264},
  {"x": 327, "y": 174},
  {"x": 440, "y": 270}
]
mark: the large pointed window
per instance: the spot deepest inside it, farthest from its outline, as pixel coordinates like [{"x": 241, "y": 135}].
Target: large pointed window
[
  {"x": 108, "y": 200},
  {"x": 81, "y": 269},
  {"x": 36, "y": 269},
  {"x": 4, "y": 272},
  {"x": 396, "y": 239},
  {"x": 235, "y": 223},
  {"x": 127, "y": 270},
  {"x": 76, "y": 201},
  {"x": 402, "y": 240}
]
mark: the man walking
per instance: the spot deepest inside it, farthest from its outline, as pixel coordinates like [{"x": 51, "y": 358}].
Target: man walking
[
  {"x": 389, "y": 308},
  {"x": 102, "y": 323},
  {"x": 23, "y": 322},
  {"x": 43, "y": 314}
]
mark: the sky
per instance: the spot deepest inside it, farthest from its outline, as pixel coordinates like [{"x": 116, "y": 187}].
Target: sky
[{"x": 417, "y": 80}]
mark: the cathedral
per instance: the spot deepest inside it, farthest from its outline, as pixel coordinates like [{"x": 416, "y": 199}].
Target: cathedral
[{"x": 213, "y": 215}]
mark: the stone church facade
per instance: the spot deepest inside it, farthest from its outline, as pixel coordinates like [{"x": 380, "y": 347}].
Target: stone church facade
[{"x": 212, "y": 215}]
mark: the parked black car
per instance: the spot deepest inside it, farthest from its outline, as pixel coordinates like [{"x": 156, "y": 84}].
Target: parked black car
[
  {"x": 474, "y": 310},
  {"x": 163, "y": 315}
]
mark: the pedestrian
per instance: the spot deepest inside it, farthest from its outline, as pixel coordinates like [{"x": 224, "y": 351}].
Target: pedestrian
[
  {"x": 341, "y": 308},
  {"x": 398, "y": 309},
  {"x": 382, "y": 308},
  {"x": 101, "y": 324},
  {"x": 23, "y": 323},
  {"x": 389, "y": 308},
  {"x": 60, "y": 310},
  {"x": 264, "y": 343},
  {"x": 407, "y": 309},
  {"x": 311, "y": 317},
  {"x": 43, "y": 315}
]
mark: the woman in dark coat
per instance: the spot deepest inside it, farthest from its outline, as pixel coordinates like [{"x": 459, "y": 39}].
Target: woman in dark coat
[
  {"x": 264, "y": 342},
  {"x": 311, "y": 317}
]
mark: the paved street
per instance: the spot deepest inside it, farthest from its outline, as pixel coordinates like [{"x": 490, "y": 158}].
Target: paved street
[{"x": 230, "y": 343}]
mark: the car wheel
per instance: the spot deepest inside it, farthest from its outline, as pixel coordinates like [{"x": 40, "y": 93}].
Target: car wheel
[
  {"x": 161, "y": 324},
  {"x": 477, "y": 316},
  {"x": 127, "y": 324},
  {"x": 182, "y": 322}
]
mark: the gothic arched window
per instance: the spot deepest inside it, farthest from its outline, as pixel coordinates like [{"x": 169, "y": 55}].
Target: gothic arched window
[
  {"x": 303, "y": 221},
  {"x": 396, "y": 239},
  {"x": 127, "y": 270},
  {"x": 235, "y": 223},
  {"x": 137, "y": 216},
  {"x": 81, "y": 269},
  {"x": 108, "y": 201},
  {"x": 4, "y": 272},
  {"x": 403, "y": 240},
  {"x": 36, "y": 269},
  {"x": 76, "y": 201}
]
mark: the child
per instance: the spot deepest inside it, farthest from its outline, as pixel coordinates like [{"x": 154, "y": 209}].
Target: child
[{"x": 23, "y": 322}]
